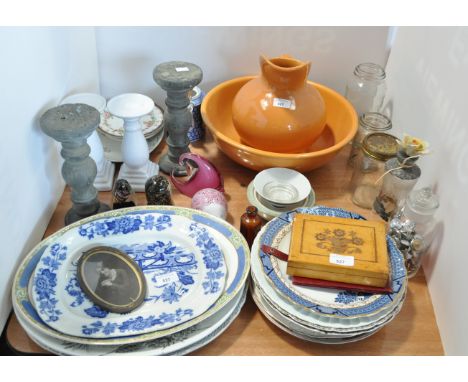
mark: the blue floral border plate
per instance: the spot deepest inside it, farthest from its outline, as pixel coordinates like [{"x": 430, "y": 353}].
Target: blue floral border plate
[
  {"x": 182, "y": 263},
  {"x": 345, "y": 306},
  {"x": 234, "y": 247}
]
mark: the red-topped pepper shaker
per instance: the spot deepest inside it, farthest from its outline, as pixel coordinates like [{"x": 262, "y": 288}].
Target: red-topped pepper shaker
[{"x": 250, "y": 224}]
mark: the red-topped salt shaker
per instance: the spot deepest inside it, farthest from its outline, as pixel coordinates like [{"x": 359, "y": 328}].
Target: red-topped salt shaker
[{"x": 250, "y": 224}]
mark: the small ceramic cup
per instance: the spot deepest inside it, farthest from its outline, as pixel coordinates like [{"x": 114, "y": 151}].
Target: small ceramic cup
[{"x": 211, "y": 201}]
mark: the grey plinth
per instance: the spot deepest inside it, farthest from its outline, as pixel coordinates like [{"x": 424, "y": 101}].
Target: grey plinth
[
  {"x": 177, "y": 78},
  {"x": 71, "y": 125}
]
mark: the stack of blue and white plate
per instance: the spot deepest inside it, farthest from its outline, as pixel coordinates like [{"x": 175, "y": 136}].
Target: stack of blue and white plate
[
  {"x": 328, "y": 316},
  {"x": 195, "y": 266}
]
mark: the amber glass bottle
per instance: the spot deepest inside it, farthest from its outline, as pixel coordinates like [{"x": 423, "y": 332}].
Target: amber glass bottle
[{"x": 250, "y": 224}]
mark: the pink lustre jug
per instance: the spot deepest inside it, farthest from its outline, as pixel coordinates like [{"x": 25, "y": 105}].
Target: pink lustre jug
[{"x": 201, "y": 174}]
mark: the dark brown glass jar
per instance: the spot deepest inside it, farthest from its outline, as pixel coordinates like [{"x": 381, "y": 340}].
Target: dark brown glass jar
[{"x": 250, "y": 224}]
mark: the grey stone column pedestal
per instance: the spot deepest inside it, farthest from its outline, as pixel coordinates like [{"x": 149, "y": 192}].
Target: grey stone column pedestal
[
  {"x": 177, "y": 78},
  {"x": 71, "y": 125}
]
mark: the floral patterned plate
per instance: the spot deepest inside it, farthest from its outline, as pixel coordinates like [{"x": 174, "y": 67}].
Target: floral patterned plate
[
  {"x": 151, "y": 124},
  {"x": 294, "y": 325},
  {"x": 183, "y": 265},
  {"x": 291, "y": 327},
  {"x": 327, "y": 305},
  {"x": 234, "y": 247},
  {"x": 179, "y": 343}
]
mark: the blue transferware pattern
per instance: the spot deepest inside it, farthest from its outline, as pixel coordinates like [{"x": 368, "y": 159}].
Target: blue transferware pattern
[
  {"x": 46, "y": 281},
  {"x": 348, "y": 297},
  {"x": 237, "y": 258},
  {"x": 171, "y": 272},
  {"x": 397, "y": 266},
  {"x": 73, "y": 289},
  {"x": 125, "y": 225},
  {"x": 179, "y": 343}
]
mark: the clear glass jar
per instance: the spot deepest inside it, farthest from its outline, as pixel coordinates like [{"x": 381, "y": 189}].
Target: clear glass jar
[
  {"x": 412, "y": 228},
  {"x": 401, "y": 176},
  {"x": 376, "y": 149},
  {"x": 366, "y": 89},
  {"x": 368, "y": 123}
]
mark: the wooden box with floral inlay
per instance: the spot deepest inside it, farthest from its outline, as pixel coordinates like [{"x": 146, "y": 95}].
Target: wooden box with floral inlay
[{"x": 338, "y": 249}]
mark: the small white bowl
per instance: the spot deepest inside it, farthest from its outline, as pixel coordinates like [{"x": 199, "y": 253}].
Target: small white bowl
[
  {"x": 269, "y": 213},
  {"x": 130, "y": 105},
  {"x": 281, "y": 186}
]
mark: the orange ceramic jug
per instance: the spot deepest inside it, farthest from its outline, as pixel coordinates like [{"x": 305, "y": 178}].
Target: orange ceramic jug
[{"x": 279, "y": 111}]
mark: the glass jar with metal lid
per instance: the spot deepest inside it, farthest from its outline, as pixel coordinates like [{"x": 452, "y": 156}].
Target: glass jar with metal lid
[
  {"x": 368, "y": 123},
  {"x": 413, "y": 227},
  {"x": 366, "y": 181}
]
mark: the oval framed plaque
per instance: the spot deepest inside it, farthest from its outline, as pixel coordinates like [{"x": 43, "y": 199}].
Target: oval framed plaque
[{"x": 111, "y": 279}]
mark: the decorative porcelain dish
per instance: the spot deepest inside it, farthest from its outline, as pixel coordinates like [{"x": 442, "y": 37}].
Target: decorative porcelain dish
[
  {"x": 338, "y": 309},
  {"x": 319, "y": 299},
  {"x": 180, "y": 343},
  {"x": 230, "y": 241},
  {"x": 182, "y": 263},
  {"x": 306, "y": 333},
  {"x": 151, "y": 124}
]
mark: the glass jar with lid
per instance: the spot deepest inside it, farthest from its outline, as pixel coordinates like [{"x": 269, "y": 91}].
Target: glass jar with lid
[
  {"x": 376, "y": 149},
  {"x": 401, "y": 175},
  {"x": 368, "y": 123},
  {"x": 366, "y": 88},
  {"x": 413, "y": 227}
]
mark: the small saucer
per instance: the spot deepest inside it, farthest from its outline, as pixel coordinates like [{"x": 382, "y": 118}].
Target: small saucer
[{"x": 269, "y": 213}]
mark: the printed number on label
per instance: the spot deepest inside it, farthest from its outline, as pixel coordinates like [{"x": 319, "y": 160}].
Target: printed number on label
[
  {"x": 284, "y": 103},
  {"x": 166, "y": 279},
  {"x": 347, "y": 261}
]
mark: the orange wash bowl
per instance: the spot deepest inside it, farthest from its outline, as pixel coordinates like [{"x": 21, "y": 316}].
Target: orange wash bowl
[{"x": 340, "y": 127}]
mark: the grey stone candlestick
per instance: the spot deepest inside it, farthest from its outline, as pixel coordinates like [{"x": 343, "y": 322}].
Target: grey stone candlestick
[
  {"x": 71, "y": 125},
  {"x": 177, "y": 78}
]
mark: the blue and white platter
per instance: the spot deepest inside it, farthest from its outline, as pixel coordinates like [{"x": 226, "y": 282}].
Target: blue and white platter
[
  {"x": 183, "y": 265},
  {"x": 292, "y": 327},
  {"x": 194, "y": 265},
  {"x": 180, "y": 343},
  {"x": 327, "y": 310}
]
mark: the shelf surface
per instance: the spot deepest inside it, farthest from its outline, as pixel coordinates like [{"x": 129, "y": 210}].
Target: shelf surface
[{"x": 413, "y": 332}]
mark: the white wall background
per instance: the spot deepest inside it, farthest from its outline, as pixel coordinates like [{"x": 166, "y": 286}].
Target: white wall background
[
  {"x": 127, "y": 56},
  {"x": 38, "y": 67},
  {"x": 428, "y": 82}
]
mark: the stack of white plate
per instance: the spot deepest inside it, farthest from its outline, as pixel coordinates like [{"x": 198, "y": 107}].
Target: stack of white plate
[
  {"x": 320, "y": 315},
  {"x": 277, "y": 190},
  {"x": 195, "y": 266},
  {"x": 111, "y": 131}
]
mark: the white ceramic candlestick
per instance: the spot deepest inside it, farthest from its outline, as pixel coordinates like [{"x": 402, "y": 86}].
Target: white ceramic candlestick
[
  {"x": 105, "y": 168},
  {"x": 137, "y": 167}
]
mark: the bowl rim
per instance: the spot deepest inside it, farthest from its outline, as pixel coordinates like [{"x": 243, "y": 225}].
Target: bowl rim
[
  {"x": 329, "y": 150},
  {"x": 270, "y": 173}
]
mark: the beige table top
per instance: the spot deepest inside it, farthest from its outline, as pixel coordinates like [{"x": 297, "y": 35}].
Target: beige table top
[{"x": 413, "y": 332}]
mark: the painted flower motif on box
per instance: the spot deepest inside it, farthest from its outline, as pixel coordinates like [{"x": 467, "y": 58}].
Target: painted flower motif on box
[{"x": 339, "y": 241}]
